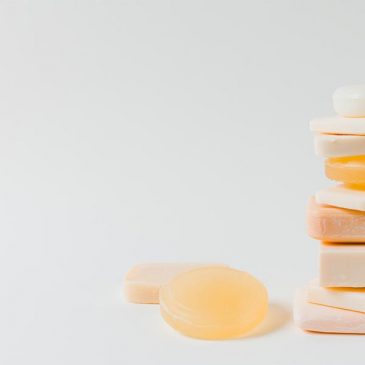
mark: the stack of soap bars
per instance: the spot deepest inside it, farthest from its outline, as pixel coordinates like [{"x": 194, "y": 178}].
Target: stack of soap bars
[{"x": 335, "y": 302}]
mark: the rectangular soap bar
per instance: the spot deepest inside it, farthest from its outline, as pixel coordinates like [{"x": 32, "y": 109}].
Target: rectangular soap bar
[
  {"x": 342, "y": 265},
  {"x": 335, "y": 145},
  {"x": 343, "y": 298},
  {"x": 328, "y": 223},
  {"x": 342, "y": 197},
  {"x": 320, "y": 318},
  {"x": 142, "y": 283},
  {"x": 338, "y": 125}
]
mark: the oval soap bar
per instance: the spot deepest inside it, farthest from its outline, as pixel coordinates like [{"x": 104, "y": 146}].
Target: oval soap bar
[
  {"x": 349, "y": 101},
  {"x": 349, "y": 170},
  {"x": 213, "y": 303}
]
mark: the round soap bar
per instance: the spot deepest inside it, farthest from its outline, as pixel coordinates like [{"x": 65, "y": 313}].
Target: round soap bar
[
  {"x": 349, "y": 101},
  {"x": 349, "y": 170},
  {"x": 213, "y": 303}
]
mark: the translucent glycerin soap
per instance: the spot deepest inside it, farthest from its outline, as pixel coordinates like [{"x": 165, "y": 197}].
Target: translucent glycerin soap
[
  {"x": 213, "y": 303},
  {"x": 349, "y": 170}
]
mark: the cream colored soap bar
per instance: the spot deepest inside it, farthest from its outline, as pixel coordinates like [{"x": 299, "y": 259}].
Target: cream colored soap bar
[
  {"x": 342, "y": 265},
  {"x": 142, "y": 283},
  {"x": 349, "y": 100},
  {"x": 327, "y": 223},
  {"x": 320, "y": 318},
  {"x": 334, "y": 145},
  {"x": 342, "y": 197},
  {"x": 343, "y": 298},
  {"x": 338, "y": 125}
]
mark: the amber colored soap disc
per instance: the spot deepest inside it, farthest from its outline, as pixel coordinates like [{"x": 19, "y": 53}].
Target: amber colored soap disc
[
  {"x": 349, "y": 170},
  {"x": 213, "y": 303}
]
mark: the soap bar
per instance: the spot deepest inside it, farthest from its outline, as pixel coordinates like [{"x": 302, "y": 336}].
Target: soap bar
[
  {"x": 349, "y": 101},
  {"x": 343, "y": 197},
  {"x": 343, "y": 298},
  {"x": 349, "y": 170},
  {"x": 142, "y": 283},
  {"x": 338, "y": 125},
  {"x": 327, "y": 223},
  {"x": 320, "y": 318},
  {"x": 335, "y": 145},
  {"x": 342, "y": 265},
  {"x": 213, "y": 303}
]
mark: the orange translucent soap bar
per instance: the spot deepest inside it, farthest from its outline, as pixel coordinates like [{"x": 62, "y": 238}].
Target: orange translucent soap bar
[
  {"x": 213, "y": 303},
  {"x": 349, "y": 170}
]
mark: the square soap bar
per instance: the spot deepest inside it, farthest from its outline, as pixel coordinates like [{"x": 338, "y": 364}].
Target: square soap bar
[
  {"x": 335, "y": 145},
  {"x": 143, "y": 282},
  {"x": 328, "y": 223},
  {"x": 342, "y": 265},
  {"x": 342, "y": 196},
  {"x": 320, "y": 318},
  {"x": 343, "y": 298},
  {"x": 338, "y": 125}
]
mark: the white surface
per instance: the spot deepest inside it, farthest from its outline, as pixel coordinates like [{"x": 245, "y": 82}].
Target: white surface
[
  {"x": 338, "y": 125},
  {"x": 349, "y": 100},
  {"x": 334, "y": 145},
  {"x": 343, "y": 298},
  {"x": 128, "y": 134},
  {"x": 342, "y": 197}
]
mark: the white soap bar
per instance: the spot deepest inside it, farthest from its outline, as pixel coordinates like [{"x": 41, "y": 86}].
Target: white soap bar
[
  {"x": 342, "y": 197},
  {"x": 142, "y": 283},
  {"x": 349, "y": 101},
  {"x": 342, "y": 265},
  {"x": 338, "y": 125},
  {"x": 320, "y": 318},
  {"x": 336, "y": 145},
  {"x": 344, "y": 298}
]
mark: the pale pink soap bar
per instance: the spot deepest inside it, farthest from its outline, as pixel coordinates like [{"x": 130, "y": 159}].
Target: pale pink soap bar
[
  {"x": 328, "y": 223},
  {"x": 343, "y": 298},
  {"x": 143, "y": 282},
  {"x": 342, "y": 265},
  {"x": 320, "y": 318}
]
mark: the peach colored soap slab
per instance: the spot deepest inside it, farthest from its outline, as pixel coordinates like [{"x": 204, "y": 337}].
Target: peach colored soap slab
[
  {"x": 342, "y": 265},
  {"x": 142, "y": 283},
  {"x": 328, "y": 223},
  {"x": 320, "y": 318}
]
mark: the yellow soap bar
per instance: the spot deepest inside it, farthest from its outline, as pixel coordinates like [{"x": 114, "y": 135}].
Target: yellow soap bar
[
  {"x": 213, "y": 303},
  {"x": 349, "y": 170}
]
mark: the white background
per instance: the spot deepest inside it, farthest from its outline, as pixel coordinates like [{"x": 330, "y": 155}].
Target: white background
[{"x": 136, "y": 131}]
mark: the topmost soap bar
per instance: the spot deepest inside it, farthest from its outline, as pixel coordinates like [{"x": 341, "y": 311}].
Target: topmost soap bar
[{"x": 349, "y": 101}]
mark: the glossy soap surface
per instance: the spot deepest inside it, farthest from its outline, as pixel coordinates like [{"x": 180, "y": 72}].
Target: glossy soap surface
[
  {"x": 349, "y": 170},
  {"x": 213, "y": 303}
]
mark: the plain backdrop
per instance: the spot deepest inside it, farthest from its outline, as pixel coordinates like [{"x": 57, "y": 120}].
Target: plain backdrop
[{"x": 137, "y": 131}]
